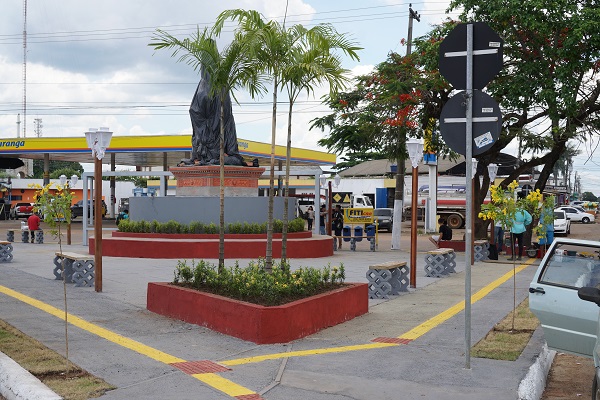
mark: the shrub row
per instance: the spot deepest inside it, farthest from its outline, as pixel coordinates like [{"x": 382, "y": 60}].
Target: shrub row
[
  {"x": 255, "y": 285},
  {"x": 296, "y": 225}
]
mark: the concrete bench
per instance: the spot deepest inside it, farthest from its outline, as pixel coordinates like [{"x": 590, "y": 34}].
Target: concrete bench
[
  {"x": 6, "y": 249},
  {"x": 78, "y": 268},
  {"x": 10, "y": 234},
  {"x": 481, "y": 250},
  {"x": 37, "y": 235},
  {"x": 387, "y": 279},
  {"x": 440, "y": 263}
]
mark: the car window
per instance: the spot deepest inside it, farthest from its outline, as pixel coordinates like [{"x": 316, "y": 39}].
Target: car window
[
  {"x": 572, "y": 266},
  {"x": 559, "y": 215}
]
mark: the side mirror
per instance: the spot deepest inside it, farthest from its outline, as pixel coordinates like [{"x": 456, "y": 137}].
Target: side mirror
[{"x": 589, "y": 294}]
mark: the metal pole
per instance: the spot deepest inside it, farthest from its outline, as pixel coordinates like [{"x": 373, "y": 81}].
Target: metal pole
[
  {"x": 413, "y": 228},
  {"x": 97, "y": 224},
  {"x": 469, "y": 176}
]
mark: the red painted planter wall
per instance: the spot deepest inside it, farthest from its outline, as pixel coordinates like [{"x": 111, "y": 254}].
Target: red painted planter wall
[
  {"x": 298, "y": 246},
  {"x": 259, "y": 324}
]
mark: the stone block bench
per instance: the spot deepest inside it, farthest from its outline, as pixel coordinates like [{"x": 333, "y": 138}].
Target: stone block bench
[
  {"x": 10, "y": 234},
  {"x": 387, "y": 279},
  {"x": 6, "y": 249},
  {"x": 440, "y": 263},
  {"x": 79, "y": 268},
  {"x": 481, "y": 250}
]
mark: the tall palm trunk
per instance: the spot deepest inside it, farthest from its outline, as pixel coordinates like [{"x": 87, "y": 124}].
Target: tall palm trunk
[
  {"x": 222, "y": 184},
  {"x": 287, "y": 186},
  {"x": 269, "y": 255}
]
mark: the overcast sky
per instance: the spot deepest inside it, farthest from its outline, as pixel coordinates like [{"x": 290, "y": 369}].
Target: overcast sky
[{"x": 89, "y": 64}]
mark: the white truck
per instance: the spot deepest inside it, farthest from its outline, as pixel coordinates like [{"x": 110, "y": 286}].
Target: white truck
[{"x": 350, "y": 200}]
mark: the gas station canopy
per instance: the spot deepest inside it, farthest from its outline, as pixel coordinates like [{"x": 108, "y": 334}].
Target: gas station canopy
[{"x": 147, "y": 151}]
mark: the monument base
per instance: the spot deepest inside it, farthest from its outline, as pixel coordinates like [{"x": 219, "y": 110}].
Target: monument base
[{"x": 205, "y": 181}]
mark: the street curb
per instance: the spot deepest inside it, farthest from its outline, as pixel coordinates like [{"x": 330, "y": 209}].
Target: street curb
[
  {"x": 18, "y": 384},
  {"x": 533, "y": 385}
]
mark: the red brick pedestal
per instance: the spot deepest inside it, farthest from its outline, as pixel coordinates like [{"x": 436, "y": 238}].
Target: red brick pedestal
[{"x": 204, "y": 181}]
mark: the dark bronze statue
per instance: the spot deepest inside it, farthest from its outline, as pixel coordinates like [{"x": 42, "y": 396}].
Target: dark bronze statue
[{"x": 205, "y": 113}]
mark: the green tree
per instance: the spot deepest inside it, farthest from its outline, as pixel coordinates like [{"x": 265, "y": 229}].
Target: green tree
[
  {"x": 54, "y": 165},
  {"x": 588, "y": 196},
  {"x": 311, "y": 62},
  {"x": 232, "y": 68},
  {"x": 270, "y": 52}
]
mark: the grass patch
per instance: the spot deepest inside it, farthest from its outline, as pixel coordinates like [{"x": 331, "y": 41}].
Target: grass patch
[
  {"x": 49, "y": 366},
  {"x": 505, "y": 343}
]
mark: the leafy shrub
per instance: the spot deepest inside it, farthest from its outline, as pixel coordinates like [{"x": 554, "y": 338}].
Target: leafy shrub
[
  {"x": 253, "y": 283},
  {"x": 127, "y": 225}
]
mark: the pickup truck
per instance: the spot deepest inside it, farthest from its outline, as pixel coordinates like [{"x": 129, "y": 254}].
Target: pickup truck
[{"x": 21, "y": 210}]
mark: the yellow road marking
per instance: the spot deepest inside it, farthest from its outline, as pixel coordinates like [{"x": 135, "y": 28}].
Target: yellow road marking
[
  {"x": 229, "y": 387},
  {"x": 431, "y": 323},
  {"x": 412, "y": 334},
  {"x": 224, "y": 385},
  {"x": 302, "y": 353}
]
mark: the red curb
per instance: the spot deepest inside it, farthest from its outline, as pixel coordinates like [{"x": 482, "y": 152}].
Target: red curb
[
  {"x": 391, "y": 340},
  {"x": 200, "y": 367}
]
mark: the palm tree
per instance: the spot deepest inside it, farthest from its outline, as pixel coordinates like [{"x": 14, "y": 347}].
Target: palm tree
[
  {"x": 277, "y": 51},
  {"x": 233, "y": 68},
  {"x": 310, "y": 62},
  {"x": 271, "y": 54}
]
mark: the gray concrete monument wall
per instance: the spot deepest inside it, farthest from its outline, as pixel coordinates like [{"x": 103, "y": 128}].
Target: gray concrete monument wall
[{"x": 206, "y": 209}]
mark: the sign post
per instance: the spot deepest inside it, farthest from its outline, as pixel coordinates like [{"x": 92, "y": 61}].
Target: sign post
[{"x": 470, "y": 56}]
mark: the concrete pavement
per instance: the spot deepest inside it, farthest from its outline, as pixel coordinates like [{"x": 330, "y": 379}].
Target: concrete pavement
[{"x": 116, "y": 338}]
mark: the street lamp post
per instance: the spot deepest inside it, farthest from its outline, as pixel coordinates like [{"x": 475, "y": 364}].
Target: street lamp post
[
  {"x": 415, "y": 153},
  {"x": 69, "y": 183},
  {"x": 98, "y": 141}
]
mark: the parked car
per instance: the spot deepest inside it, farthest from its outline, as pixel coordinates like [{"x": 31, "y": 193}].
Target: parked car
[
  {"x": 21, "y": 210},
  {"x": 77, "y": 209},
  {"x": 564, "y": 296},
  {"x": 384, "y": 218},
  {"x": 576, "y": 215},
  {"x": 562, "y": 224}
]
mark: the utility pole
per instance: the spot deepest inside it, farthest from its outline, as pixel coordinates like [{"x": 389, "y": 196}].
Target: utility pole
[{"x": 399, "y": 193}]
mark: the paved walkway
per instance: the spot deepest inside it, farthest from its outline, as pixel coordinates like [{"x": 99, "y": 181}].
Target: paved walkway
[{"x": 113, "y": 336}]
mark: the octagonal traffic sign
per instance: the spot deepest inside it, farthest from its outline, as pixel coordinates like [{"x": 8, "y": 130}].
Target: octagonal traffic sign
[
  {"x": 487, "y": 55},
  {"x": 487, "y": 122}
]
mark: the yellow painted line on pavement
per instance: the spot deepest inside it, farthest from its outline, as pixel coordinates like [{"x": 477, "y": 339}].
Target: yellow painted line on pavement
[
  {"x": 412, "y": 334},
  {"x": 217, "y": 382},
  {"x": 431, "y": 323},
  {"x": 224, "y": 385},
  {"x": 303, "y": 353}
]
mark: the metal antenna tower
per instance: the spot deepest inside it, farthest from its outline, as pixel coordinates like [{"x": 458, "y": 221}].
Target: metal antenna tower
[
  {"x": 37, "y": 123},
  {"x": 24, "y": 68}
]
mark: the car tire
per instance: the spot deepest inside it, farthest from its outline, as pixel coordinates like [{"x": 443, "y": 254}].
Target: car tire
[
  {"x": 585, "y": 220},
  {"x": 595, "y": 388}
]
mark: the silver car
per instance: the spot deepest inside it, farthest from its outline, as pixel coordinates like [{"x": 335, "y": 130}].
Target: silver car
[{"x": 564, "y": 296}]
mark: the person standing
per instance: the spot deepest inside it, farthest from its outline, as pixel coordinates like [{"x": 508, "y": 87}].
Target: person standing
[
  {"x": 310, "y": 217},
  {"x": 323, "y": 217},
  {"x": 33, "y": 223},
  {"x": 521, "y": 219},
  {"x": 337, "y": 219},
  {"x": 499, "y": 236}
]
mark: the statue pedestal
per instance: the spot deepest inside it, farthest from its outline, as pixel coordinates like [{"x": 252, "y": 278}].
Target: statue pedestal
[{"x": 204, "y": 181}]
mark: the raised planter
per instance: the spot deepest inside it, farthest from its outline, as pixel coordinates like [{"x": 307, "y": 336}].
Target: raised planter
[
  {"x": 456, "y": 245},
  {"x": 255, "y": 323}
]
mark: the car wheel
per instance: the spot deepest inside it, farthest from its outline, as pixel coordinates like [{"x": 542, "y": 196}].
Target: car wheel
[
  {"x": 585, "y": 220},
  {"x": 595, "y": 388}
]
